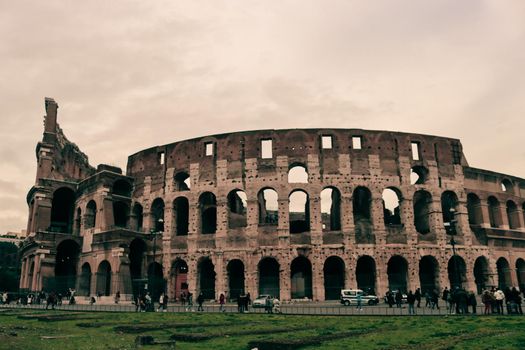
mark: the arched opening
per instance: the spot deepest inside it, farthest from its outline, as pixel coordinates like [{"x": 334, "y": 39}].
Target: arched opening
[
  {"x": 157, "y": 215},
  {"x": 237, "y": 206},
  {"x": 179, "y": 273},
  {"x": 235, "y": 271},
  {"x": 334, "y": 277},
  {"x": 137, "y": 218},
  {"x": 268, "y": 207},
  {"x": 104, "y": 278},
  {"x": 65, "y": 267},
  {"x": 122, "y": 188},
  {"x": 365, "y": 274},
  {"x": 269, "y": 277},
  {"x": 504, "y": 274},
  {"x": 181, "y": 216},
  {"x": 481, "y": 274},
  {"x": 182, "y": 181},
  {"x": 428, "y": 274},
  {"x": 418, "y": 175},
  {"x": 520, "y": 271},
  {"x": 206, "y": 278},
  {"x": 331, "y": 209},
  {"x": 297, "y": 174},
  {"x": 78, "y": 221},
  {"x": 84, "y": 285},
  {"x": 397, "y": 271},
  {"x": 91, "y": 215},
  {"x": 301, "y": 278},
  {"x": 62, "y": 210},
  {"x": 422, "y": 206},
  {"x": 120, "y": 214},
  {"x": 208, "y": 213},
  {"x": 137, "y": 250},
  {"x": 513, "y": 215},
  {"x": 494, "y": 212},
  {"x": 156, "y": 282},
  {"x": 475, "y": 216},
  {"x": 449, "y": 206},
  {"x": 362, "y": 200},
  {"x": 391, "y": 207},
  {"x": 299, "y": 212},
  {"x": 457, "y": 272},
  {"x": 506, "y": 185}
]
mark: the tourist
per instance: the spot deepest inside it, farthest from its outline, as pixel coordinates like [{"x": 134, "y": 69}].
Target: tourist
[
  {"x": 247, "y": 302},
  {"x": 148, "y": 303},
  {"x": 165, "y": 303},
  {"x": 117, "y": 297},
  {"x": 390, "y": 298},
  {"x": 499, "y": 296},
  {"x": 435, "y": 299},
  {"x": 241, "y": 303},
  {"x": 222, "y": 300},
  {"x": 183, "y": 298},
  {"x": 445, "y": 296},
  {"x": 51, "y": 301},
  {"x": 486, "y": 299},
  {"x": 411, "y": 299},
  {"x": 359, "y": 301},
  {"x": 399, "y": 298},
  {"x": 472, "y": 302},
  {"x": 190, "y": 302},
  {"x": 417, "y": 294},
  {"x": 92, "y": 300},
  {"x": 268, "y": 305},
  {"x": 200, "y": 301},
  {"x": 276, "y": 306},
  {"x": 428, "y": 299}
]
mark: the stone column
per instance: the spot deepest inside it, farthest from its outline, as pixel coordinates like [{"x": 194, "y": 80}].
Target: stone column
[
  {"x": 36, "y": 273},
  {"x": 285, "y": 280},
  {"x": 317, "y": 281},
  {"x": 220, "y": 276}
]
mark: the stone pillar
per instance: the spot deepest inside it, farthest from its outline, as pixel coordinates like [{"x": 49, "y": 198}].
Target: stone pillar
[
  {"x": 378, "y": 219},
  {"x": 317, "y": 281},
  {"x": 283, "y": 227},
  {"x": 407, "y": 219},
  {"x": 251, "y": 282},
  {"x": 221, "y": 284},
  {"x": 521, "y": 219},
  {"x": 381, "y": 278},
  {"x": 316, "y": 226},
  {"x": 347, "y": 218},
  {"x": 485, "y": 214},
  {"x": 285, "y": 280},
  {"x": 23, "y": 276},
  {"x": 36, "y": 273},
  {"x": 350, "y": 278}
]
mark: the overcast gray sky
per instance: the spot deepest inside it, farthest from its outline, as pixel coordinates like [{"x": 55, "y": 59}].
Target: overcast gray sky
[{"x": 128, "y": 75}]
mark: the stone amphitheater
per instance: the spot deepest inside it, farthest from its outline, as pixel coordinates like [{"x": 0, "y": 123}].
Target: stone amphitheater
[{"x": 299, "y": 214}]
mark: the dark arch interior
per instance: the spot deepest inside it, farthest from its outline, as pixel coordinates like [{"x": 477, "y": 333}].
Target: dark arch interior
[
  {"x": 65, "y": 267},
  {"x": 207, "y": 278},
  {"x": 181, "y": 213},
  {"x": 269, "y": 277},
  {"x": 104, "y": 278},
  {"x": 301, "y": 274},
  {"x": 120, "y": 214},
  {"x": 62, "y": 209},
  {"x": 156, "y": 282},
  {"x": 397, "y": 271},
  {"x": 334, "y": 277},
  {"x": 457, "y": 272},
  {"x": 481, "y": 274},
  {"x": 366, "y": 274},
  {"x": 122, "y": 188},
  {"x": 235, "y": 279},
  {"x": 428, "y": 274}
]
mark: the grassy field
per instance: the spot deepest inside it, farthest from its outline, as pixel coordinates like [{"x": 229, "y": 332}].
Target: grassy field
[{"x": 29, "y": 329}]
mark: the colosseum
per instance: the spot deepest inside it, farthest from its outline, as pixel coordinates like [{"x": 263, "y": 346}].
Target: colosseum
[{"x": 299, "y": 213}]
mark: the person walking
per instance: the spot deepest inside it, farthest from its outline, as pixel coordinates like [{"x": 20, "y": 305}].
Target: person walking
[
  {"x": 268, "y": 305},
  {"x": 411, "y": 300},
  {"x": 499, "y": 296},
  {"x": 222, "y": 300},
  {"x": 399, "y": 298},
  {"x": 183, "y": 298},
  {"x": 359, "y": 301},
  {"x": 117, "y": 296},
  {"x": 200, "y": 301},
  {"x": 390, "y": 299},
  {"x": 472, "y": 302},
  {"x": 445, "y": 296},
  {"x": 435, "y": 299},
  {"x": 190, "y": 302},
  {"x": 486, "y": 299},
  {"x": 417, "y": 294},
  {"x": 247, "y": 302}
]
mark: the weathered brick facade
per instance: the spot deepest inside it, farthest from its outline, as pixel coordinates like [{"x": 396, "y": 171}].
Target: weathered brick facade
[{"x": 91, "y": 228}]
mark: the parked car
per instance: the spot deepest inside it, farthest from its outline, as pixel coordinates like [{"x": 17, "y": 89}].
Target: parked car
[
  {"x": 260, "y": 301},
  {"x": 349, "y": 297}
]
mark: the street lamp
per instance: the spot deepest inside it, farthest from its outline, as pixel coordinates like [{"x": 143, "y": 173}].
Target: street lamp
[
  {"x": 155, "y": 232},
  {"x": 450, "y": 228}
]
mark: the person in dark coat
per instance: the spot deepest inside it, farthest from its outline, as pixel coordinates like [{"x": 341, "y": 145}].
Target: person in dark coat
[
  {"x": 472, "y": 301},
  {"x": 390, "y": 298},
  {"x": 399, "y": 298},
  {"x": 417, "y": 294},
  {"x": 200, "y": 301},
  {"x": 411, "y": 299},
  {"x": 247, "y": 301}
]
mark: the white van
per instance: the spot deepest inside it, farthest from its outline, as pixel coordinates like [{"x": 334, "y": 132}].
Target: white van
[{"x": 349, "y": 297}]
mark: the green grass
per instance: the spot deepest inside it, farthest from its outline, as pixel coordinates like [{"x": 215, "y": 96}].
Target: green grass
[{"x": 106, "y": 330}]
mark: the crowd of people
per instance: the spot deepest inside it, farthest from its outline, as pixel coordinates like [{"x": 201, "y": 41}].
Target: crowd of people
[{"x": 459, "y": 301}]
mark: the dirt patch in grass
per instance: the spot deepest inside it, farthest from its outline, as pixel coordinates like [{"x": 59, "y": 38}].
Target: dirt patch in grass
[
  {"x": 194, "y": 337},
  {"x": 291, "y": 343},
  {"x": 141, "y": 328}
]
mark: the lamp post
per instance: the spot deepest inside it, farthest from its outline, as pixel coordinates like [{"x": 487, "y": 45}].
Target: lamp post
[{"x": 450, "y": 228}]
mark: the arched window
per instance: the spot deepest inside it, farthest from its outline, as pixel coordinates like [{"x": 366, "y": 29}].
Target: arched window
[
  {"x": 137, "y": 217},
  {"x": 208, "y": 213},
  {"x": 268, "y": 206},
  {"x": 299, "y": 212},
  {"x": 157, "y": 215},
  {"x": 122, "y": 188},
  {"x": 418, "y": 175},
  {"x": 297, "y": 174},
  {"x": 120, "y": 214},
  {"x": 391, "y": 206},
  {"x": 331, "y": 209},
  {"x": 62, "y": 210},
  {"x": 475, "y": 216},
  {"x": 181, "y": 216},
  {"x": 512, "y": 215},
  {"x": 422, "y": 200},
  {"x": 494, "y": 212},
  {"x": 506, "y": 185},
  {"x": 91, "y": 214},
  {"x": 449, "y": 208},
  {"x": 182, "y": 181},
  {"x": 237, "y": 206}
]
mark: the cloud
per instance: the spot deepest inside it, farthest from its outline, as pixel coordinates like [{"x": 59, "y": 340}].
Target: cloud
[{"x": 133, "y": 74}]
